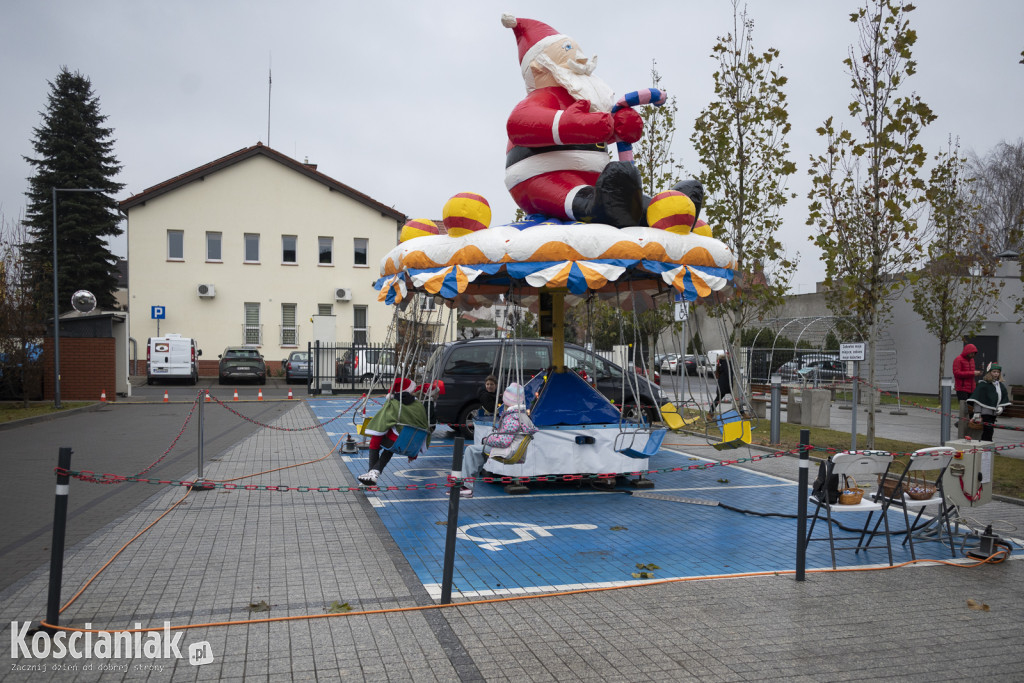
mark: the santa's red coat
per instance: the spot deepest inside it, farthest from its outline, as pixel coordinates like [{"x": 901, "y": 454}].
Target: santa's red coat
[{"x": 556, "y": 144}]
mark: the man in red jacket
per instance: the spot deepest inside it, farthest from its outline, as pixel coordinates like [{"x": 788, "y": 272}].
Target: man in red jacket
[{"x": 556, "y": 162}]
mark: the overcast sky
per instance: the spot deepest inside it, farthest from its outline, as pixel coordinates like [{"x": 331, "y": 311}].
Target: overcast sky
[{"x": 407, "y": 101}]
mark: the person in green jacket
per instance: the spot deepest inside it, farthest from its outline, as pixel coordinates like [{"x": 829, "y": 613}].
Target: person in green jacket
[
  {"x": 990, "y": 397},
  {"x": 400, "y": 408}
]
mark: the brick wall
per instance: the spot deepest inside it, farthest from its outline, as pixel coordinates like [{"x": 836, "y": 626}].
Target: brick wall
[{"x": 87, "y": 367}]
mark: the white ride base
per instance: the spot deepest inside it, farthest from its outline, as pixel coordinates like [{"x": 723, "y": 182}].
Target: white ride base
[{"x": 554, "y": 450}]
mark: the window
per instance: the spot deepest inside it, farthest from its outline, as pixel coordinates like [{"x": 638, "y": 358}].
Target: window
[
  {"x": 359, "y": 328},
  {"x": 289, "y": 330},
  {"x": 360, "y": 249},
  {"x": 427, "y": 303},
  {"x": 326, "y": 245},
  {"x": 472, "y": 359},
  {"x": 289, "y": 245},
  {"x": 324, "y": 309},
  {"x": 532, "y": 358},
  {"x": 253, "y": 329},
  {"x": 213, "y": 252},
  {"x": 176, "y": 245},
  {"x": 252, "y": 248}
]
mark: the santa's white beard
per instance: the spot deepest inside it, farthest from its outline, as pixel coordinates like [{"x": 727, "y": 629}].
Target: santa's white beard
[{"x": 580, "y": 86}]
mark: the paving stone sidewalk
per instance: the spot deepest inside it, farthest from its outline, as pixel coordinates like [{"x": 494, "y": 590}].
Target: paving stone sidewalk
[{"x": 219, "y": 552}]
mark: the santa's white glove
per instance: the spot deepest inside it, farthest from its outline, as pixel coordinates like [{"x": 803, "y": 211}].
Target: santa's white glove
[{"x": 999, "y": 410}]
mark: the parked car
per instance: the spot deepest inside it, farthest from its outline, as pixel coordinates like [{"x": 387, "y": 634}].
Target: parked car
[
  {"x": 296, "y": 367},
  {"x": 697, "y": 365},
  {"x": 671, "y": 364},
  {"x": 814, "y": 368},
  {"x": 464, "y": 365},
  {"x": 364, "y": 363},
  {"x": 241, "y": 363}
]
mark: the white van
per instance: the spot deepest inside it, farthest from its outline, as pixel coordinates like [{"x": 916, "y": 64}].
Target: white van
[{"x": 172, "y": 357}]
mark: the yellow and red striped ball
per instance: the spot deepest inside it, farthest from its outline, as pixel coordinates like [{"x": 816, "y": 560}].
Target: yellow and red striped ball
[
  {"x": 418, "y": 227},
  {"x": 465, "y": 213},
  {"x": 702, "y": 228},
  {"x": 672, "y": 211}
]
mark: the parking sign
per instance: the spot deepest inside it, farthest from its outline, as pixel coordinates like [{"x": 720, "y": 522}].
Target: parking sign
[{"x": 158, "y": 313}]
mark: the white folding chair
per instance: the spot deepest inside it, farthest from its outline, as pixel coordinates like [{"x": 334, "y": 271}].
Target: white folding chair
[
  {"x": 863, "y": 467},
  {"x": 922, "y": 475}
]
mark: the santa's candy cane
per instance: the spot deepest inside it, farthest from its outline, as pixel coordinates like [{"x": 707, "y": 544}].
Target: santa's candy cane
[{"x": 636, "y": 98}]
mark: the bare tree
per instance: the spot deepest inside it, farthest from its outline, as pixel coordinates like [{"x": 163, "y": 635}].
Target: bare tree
[
  {"x": 20, "y": 324},
  {"x": 1000, "y": 189}
]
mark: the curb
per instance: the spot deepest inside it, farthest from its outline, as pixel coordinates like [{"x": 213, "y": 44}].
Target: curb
[{"x": 13, "y": 424}]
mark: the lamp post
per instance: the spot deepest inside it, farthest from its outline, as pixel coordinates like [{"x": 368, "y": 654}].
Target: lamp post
[{"x": 56, "y": 309}]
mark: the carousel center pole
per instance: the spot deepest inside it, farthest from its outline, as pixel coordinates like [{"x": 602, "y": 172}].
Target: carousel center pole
[{"x": 558, "y": 330}]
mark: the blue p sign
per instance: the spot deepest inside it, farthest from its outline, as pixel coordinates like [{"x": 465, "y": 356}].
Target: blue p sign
[{"x": 158, "y": 312}]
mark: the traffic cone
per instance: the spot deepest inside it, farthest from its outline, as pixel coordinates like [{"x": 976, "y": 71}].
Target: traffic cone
[
  {"x": 207, "y": 395},
  {"x": 259, "y": 395},
  {"x": 289, "y": 394},
  {"x": 167, "y": 399},
  {"x": 236, "y": 395},
  {"x": 103, "y": 395}
]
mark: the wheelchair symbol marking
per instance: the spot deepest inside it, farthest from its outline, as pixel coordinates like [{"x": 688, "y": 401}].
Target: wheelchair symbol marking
[{"x": 524, "y": 531}]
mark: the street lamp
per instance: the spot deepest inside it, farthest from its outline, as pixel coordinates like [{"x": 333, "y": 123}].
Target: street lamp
[{"x": 56, "y": 310}]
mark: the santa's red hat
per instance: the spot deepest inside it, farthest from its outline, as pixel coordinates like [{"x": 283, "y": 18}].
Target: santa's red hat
[
  {"x": 532, "y": 37},
  {"x": 401, "y": 384}
]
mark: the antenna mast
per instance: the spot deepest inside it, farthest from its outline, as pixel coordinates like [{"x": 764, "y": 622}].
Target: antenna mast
[{"x": 270, "y": 85}]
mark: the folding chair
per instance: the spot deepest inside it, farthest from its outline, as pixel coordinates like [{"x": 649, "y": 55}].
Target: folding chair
[
  {"x": 861, "y": 467},
  {"x": 919, "y": 486}
]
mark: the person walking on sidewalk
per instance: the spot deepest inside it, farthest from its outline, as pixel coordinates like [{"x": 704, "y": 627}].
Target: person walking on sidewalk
[
  {"x": 990, "y": 397},
  {"x": 723, "y": 372},
  {"x": 400, "y": 408}
]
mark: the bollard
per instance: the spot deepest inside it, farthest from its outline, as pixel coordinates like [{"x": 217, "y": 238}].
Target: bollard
[
  {"x": 775, "y": 436},
  {"x": 945, "y": 406},
  {"x": 453, "y": 524},
  {"x": 856, "y": 400},
  {"x": 199, "y": 484},
  {"x": 801, "y": 504},
  {"x": 60, "y": 521}
]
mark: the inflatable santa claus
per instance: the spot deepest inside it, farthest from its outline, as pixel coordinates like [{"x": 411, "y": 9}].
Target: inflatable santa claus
[{"x": 557, "y": 160}]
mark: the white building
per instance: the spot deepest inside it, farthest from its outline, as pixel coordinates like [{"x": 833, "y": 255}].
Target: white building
[{"x": 248, "y": 248}]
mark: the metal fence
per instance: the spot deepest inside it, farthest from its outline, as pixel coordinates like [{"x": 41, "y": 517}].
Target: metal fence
[{"x": 352, "y": 368}]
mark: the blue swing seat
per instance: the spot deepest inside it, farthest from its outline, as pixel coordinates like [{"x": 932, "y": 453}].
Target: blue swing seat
[
  {"x": 410, "y": 441},
  {"x": 652, "y": 446}
]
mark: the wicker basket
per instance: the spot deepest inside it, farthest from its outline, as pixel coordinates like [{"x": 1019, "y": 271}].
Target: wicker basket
[
  {"x": 850, "y": 494},
  {"x": 887, "y": 486},
  {"x": 920, "y": 491}
]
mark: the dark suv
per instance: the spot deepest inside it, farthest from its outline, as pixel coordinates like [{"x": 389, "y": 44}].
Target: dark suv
[{"x": 464, "y": 365}]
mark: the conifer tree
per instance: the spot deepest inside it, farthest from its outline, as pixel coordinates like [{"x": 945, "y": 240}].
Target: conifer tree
[{"x": 73, "y": 150}]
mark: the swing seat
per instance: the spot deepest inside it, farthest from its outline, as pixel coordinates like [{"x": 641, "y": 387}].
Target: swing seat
[
  {"x": 627, "y": 446},
  {"x": 410, "y": 441},
  {"x": 517, "y": 454},
  {"x": 361, "y": 429},
  {"x": 673, "y": 420},
  {"x": 735, "y": 430}
]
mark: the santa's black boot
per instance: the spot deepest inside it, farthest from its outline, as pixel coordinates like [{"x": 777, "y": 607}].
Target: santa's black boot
[
  {"x": 695, "y": 191},
  {"x": 616, "y": 198}
]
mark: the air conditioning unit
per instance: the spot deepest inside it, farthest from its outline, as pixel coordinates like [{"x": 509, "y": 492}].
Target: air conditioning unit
[
  {"x": 343, "y": 294},
  {"x": 206, "y": 291}
]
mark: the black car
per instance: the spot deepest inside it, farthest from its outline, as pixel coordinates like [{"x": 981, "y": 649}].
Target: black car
[
  {"x": 296, "y": 367},
  {"x": 814, "y": 368},
  {"x": 241, "y": 362},
  {"x": 464, "y": 365}
]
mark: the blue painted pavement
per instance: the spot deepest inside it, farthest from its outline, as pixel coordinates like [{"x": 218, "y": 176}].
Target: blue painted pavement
[{"x": 563, "y": 535}]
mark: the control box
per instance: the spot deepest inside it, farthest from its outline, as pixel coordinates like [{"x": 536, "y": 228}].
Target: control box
[{"x": 968, "y": 479}]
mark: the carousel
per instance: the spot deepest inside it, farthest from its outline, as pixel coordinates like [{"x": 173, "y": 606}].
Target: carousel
[{"x": 590, "y": 234}]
